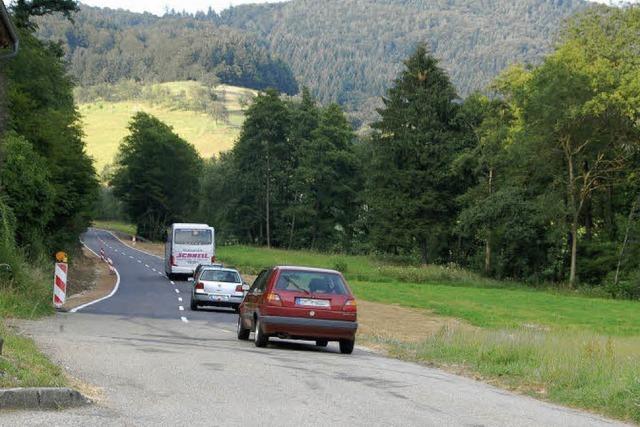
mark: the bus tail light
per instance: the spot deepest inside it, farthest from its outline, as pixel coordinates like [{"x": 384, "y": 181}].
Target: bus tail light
[
  {"x": 173, "y": 261},
  {"x": 213, "y": 259}
]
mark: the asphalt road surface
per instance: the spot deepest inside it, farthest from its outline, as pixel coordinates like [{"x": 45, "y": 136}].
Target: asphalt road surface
[{"x": 155, "y": 362}]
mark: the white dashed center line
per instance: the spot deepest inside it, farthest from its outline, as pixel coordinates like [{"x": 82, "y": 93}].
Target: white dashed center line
[
  {"x": 139, "y": 262},
  {"x": 181, "y": 308},
  {"x": 177, "y": 291},
  {"x": 179, "y": 299},
  {"x": 184, "y": 319},
  {"x": 146, "y": 265},
  {"x": 172, "y": 282}
]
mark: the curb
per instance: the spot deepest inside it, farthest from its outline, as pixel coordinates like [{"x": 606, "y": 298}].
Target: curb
[{"x": 41, "y": 398}]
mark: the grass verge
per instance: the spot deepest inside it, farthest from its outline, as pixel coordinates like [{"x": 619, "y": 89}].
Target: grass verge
[
  {"x": 27, "y": 296},
  {"x": 23, "y": 365},
  {"x": 581, "y": 370}
]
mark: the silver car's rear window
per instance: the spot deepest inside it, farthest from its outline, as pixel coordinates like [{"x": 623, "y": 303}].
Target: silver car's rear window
[
  {"x": 311, "y": 282},
  {"x": 220, "y": 276}
]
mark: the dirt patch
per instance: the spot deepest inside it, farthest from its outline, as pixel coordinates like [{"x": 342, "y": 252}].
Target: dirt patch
[
  {"x": 82, "y": 272},
  {"x": 399, "y": 323},
  {"x": 94, "y": 281}
]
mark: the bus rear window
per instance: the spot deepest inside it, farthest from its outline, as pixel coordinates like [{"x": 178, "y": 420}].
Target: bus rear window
[{"x": 192, "y": 237}]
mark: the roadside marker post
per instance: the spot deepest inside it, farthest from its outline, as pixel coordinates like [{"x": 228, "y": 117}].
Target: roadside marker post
[{"x": 60, "y": 284}]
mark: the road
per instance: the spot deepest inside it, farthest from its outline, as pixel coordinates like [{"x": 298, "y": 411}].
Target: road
[{"x": 158, "y": 363}]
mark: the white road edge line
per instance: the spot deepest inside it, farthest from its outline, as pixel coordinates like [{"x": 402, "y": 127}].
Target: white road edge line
[
  {"x": 130, "y": 247},
  {"x": 113, "y": 292},
  {"x": 184, "y": 319}
]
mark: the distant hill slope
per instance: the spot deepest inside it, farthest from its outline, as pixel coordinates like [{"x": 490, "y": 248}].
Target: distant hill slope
[
  {"x": 347, "y": 51},
  {"x": 350, "y": 50},
  {"x": 106, "y": 46},
  {"x": 105, "y": 122}
]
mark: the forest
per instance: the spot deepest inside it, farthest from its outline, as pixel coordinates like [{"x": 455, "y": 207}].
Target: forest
[
  {"x": 48, "y": 185},
  {"x": 537, "y": 182},
  {"x": 344, "y": 51},
  {"x": 107, "y": 46}
]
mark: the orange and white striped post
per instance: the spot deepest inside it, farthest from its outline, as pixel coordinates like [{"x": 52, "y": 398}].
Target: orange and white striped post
[{"x": 60, "y": 280}]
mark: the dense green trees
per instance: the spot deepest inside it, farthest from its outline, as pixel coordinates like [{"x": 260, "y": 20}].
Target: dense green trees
[
  {"x": 106, "y": 46},
  {"x": 349, "y": 51},
  {"x": 538, "y": 181},
  {"x": 157, "y": 176},
  {"x": 44, "y": 146},
  {"x": 562, "y": 146},
  {"x": 290, "y": 181},
  {"x": 411, "y": 187}
]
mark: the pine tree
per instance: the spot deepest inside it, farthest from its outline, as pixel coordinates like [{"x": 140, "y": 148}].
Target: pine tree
[{"x": 411, "y": 189}]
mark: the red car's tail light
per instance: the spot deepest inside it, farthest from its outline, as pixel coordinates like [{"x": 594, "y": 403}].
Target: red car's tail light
[
  {"x": 273, "y": 299},
  {"x": 173, "y": 261},
  {"x": 200, "y": 287},
  {"x": 350, "y": 306}
]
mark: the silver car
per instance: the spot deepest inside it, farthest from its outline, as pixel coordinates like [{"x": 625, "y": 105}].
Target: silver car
[{"x": 215, "y": 286}]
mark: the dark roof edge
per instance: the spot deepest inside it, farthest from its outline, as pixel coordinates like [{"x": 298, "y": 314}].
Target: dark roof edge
[{"x": 4, "y": 17}]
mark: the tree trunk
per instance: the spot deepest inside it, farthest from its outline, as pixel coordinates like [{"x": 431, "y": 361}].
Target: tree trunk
[
  {"x": 487, "y": 243},
  {"x": 574, "y": 251},
  {"x": 268, "y": 200},
  {"x": 293, "y": 225},
  {"x": 574, "y": 212},
  {"x": 634, "y": 207},
  {"x": 424, "y": 252}
]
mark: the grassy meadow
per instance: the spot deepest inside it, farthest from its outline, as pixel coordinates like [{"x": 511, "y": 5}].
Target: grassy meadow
[{"x": 105, "y": 123}]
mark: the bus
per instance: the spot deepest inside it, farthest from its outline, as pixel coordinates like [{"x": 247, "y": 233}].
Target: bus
[{"x": 187, "y": 246}]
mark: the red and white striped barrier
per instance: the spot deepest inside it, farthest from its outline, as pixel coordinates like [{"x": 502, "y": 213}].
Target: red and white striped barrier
[
  {"x": 112, "y": 269},
  {"x": 102, "y": 256},
  {"x": 60, "y": 284}
]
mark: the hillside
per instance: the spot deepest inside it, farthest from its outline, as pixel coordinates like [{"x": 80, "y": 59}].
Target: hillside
[
  {"x": 105, "y": 122},
  {"x": 350, "y": 50},
  {"x": 106, "y": 46}
]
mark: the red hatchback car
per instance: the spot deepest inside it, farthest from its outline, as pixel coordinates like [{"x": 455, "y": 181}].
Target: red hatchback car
[{"x": 299, "y": 303}]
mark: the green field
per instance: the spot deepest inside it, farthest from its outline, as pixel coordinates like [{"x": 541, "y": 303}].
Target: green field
[
  {"x": 105, "y": 123},
  {"x": 456, "y": 292}
]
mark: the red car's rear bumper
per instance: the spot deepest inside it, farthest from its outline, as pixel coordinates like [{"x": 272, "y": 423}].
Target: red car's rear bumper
[{"x": 304, "y": 328}]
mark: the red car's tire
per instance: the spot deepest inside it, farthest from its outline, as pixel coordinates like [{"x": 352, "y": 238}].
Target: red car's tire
[
  {"x": 346, "y": 346},
  {"x": 243, "y": 334},
  {"x": 260, "y": 339}
]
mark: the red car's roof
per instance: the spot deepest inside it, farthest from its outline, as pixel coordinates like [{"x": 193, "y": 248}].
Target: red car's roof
[{"x": 311, "y": 269}]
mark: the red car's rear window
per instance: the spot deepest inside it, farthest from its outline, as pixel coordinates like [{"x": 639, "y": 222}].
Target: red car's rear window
[{"x": 311, "y": 282}]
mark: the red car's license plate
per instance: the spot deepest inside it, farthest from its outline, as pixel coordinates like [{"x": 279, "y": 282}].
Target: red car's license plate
[{"x": 310, "y": 302}]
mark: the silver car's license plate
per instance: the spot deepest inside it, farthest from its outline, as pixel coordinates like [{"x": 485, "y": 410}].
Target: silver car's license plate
[
  {"x": 310, "y": 302},
  {"x": 218, "y": 297}
]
